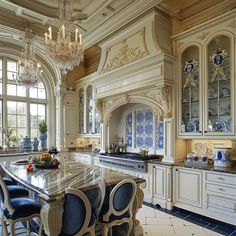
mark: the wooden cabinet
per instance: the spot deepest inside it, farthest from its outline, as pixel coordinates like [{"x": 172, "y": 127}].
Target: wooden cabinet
[
  {"x": 220, "y": 196},
  {"x": 187, "y": 188},
  {"x": 206, "y": 97}
]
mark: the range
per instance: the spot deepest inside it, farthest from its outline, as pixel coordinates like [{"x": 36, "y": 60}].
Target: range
[{"x": 129, "y": 161}]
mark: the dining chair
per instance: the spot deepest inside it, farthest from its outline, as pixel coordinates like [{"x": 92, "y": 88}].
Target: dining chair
[
  {"x": 117, "y": 209},
  {"x": 17, "y": 210},
  {"x": 77, "y": 217}
]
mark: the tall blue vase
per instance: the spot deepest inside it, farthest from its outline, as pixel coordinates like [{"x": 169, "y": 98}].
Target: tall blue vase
[{"x": 43, "y": 142}]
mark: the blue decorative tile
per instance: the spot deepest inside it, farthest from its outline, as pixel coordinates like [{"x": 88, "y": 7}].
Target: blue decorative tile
[
  {"x": 160, "y": 142},
  {"x": 140, "y": 142},
  {"x": 148, "y": 142},
  {"x": 148, "y": 129},
  {"x": 129, "y": 119},
  {"x": 139, "y": 129},
  {"x": 129, "y": 141},
  {"x": 160, "y": 129},
  {"x": 149, "y": 116},
  {"x": 140, "y": 117}
]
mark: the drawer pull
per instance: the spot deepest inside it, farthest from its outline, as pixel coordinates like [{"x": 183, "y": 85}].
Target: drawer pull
[
  {"x": 220, "y": 178},
  {"x": 221, "y": 189}
]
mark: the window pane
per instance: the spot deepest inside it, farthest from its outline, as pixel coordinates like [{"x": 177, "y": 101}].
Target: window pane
[
  {"x": 21, "y": 91},
  {"x": 11, "y": 89},
  {"x": 38, "y": 91},
  {"x": 41, "y": 93},
  {"x": 11, "y": 107},
  {"x": 33, "y": 92},
  {"x": 41, "y": 110},
  {"x": 21, "y": 108},
  {"x": 11, "y": 75},
  {"x": 11, "y": 65},
  {"x": 0, "y": 88},
  {"x": 37, "y": 114},
  {"x": 11, "y": 120},
  {"x": 0, "y": 73},
  {"x": 1, "y": 141},
  {"x": 21, "y": 121}
]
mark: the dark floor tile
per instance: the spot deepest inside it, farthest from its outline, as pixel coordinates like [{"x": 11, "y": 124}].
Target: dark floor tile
[{"x": 224, "y": 230}]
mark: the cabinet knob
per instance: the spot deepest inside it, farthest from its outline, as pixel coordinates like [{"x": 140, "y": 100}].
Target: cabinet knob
[
  {"x": 199, "y": 131},
  {"x": 176, "y": 170},
  {"x": 153, "y": 167},
  {"x": 220, "y": 178},
  {"x": 205, "y": 131}
]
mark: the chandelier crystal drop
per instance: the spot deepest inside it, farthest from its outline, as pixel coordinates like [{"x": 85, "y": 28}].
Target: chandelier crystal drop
[
  {"x": 65, "y": 53},
  {"x": 29, "y": 71}
]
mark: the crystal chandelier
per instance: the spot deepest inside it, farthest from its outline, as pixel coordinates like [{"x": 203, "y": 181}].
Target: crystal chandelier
[
  {"x": 65, "y": 53},
  {"x": 29, "y": 71}
]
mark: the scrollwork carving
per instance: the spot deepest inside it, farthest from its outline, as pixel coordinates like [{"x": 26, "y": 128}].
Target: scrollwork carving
[
  {"x": 203, "y": 35},
  {"x": 99, "y": 106},
  {"x": 165, "y": 95},
  {"x": 125, "y": 56}
]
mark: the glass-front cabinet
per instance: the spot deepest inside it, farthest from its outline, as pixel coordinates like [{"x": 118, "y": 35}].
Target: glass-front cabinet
[
  {"x": 190, "y": 92},
  {"x": 88, "y": 114},
  {"x": 219, "y": 96},
  {"x": 205, "y": 87}
]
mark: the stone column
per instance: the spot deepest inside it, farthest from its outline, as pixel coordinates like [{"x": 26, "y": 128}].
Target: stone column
[{"x": 60, "y": 114}]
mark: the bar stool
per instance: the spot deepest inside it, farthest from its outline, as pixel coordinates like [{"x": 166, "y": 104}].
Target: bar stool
[
  {"x": 118, "y": 209},
  {"x": 77, "y": 216},
  {"x": 17, "y": 209}
]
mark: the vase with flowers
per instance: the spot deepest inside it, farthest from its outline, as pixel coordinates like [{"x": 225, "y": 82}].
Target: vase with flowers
[{"x": 43, "y": 128}]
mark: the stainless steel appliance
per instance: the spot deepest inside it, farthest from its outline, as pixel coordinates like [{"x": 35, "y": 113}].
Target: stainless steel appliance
[{"x": 128, "y": 161}]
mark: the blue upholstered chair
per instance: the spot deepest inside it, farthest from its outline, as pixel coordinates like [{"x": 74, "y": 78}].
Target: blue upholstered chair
[
  {"x": 118, "y": 208},
  {"x": 77, "y": 216},
  {"x": 17, "y": 209}
]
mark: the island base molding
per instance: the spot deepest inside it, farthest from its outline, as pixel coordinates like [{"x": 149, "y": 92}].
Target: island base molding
[{"x": 51, "y": 216}]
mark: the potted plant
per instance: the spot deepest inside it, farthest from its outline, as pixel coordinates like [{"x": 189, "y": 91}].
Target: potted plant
[{"x": 43, "y": 128}]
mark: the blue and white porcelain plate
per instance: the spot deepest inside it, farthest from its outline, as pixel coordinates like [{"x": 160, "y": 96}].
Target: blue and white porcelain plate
[
  {"x": 219, "y": 126},
  {"x": 229, "y": 124},
  {"x": 191, "y": 127}
]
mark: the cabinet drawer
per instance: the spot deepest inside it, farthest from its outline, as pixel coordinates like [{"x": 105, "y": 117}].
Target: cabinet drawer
[
  {"x": 221, "y": 189},
  {"x": 221, "y": 203},
  {"x": 221, "y": 178}
]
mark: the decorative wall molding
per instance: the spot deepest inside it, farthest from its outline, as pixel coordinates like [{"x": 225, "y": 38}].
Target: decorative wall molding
[
  {"x": 203, "y": 35},
  {"x": 99, "y": 105},
  {"x": 125, "y": 56},
  {"x": 232, "y": 24}
]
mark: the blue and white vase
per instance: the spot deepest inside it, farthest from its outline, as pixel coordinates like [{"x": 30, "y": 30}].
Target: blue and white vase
[
  {"x": 222, "y": 157},
  {"x": 35, "y": 144},
  {"x": 26, "y": 144},
  {"x": 43, "y": 142}
]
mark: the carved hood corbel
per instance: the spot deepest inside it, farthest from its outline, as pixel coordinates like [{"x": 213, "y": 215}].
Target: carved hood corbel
[
  {"x": 99, "y": 106},
  {"x": 165, "y": 94}
]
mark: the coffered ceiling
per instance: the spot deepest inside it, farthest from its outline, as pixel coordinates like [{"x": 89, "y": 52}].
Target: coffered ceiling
[{"x": 98, "y": 19}]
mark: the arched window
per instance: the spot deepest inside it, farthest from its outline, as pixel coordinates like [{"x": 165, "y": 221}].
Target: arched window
[{"x": 21, "y": 110}]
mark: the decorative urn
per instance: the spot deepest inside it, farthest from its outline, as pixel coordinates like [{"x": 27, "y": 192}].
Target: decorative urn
[{"x": 222, "y": 157}]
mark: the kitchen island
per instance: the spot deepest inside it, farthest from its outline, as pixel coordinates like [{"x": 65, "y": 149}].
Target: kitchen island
[{"x": 50, "y": 184}]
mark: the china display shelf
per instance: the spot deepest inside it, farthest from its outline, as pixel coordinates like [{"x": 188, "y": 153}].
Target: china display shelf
[
  {"x": 192, "y": 101},
  {"x": 228, "y": 115},
  {"x": 224, "y": 97},
  {"x": 222, "y": 81},
  {"x": 193, "y": 117}
]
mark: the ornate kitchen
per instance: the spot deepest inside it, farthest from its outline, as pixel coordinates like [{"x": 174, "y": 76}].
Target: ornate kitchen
[{"x": 139, "y": 93}]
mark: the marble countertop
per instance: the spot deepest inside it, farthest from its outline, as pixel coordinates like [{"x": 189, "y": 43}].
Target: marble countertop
[{"x": 51, "y": 183}]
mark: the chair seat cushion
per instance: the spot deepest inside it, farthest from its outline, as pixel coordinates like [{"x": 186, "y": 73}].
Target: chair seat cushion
[
  {"x": 16, "y": 191},
  {"x": 23, "y": 207}
]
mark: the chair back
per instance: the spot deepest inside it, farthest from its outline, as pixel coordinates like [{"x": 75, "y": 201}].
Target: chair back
[
  {"x": 77, "y": 213},
  {"x": 121, "y": 198},
  {"x": 5, "y": 196}
]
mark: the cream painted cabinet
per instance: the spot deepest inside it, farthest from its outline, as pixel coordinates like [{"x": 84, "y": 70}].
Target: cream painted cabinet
[
  {"x": 187, "y": 188},
  {"x": 220, "y": 196},
  {"x": 206, "y": 97},
  {"x": 88, "y": 118},
  {"x": 70, "y": 119}
]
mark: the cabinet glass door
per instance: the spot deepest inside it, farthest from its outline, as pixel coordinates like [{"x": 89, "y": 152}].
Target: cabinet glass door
[
  {"x": 81, "y": 111},
  {"x": 190, "y": 105},
  {"x": 89, "y": 109},
  {"x": 219, "y": 86}
]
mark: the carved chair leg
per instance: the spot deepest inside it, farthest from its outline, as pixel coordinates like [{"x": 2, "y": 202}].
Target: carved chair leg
[
  {"x": 130, "y": 223},
  {"x": 12, "y": 228},
  {"x": 4, "y": 227},
  {"x": 28, "y": 227},
  {"x": 105, "y": 230},
  {"x": 40, "y": 230}
]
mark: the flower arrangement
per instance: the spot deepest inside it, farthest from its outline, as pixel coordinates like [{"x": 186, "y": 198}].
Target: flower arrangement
[{"x": 46, "y": 159}]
